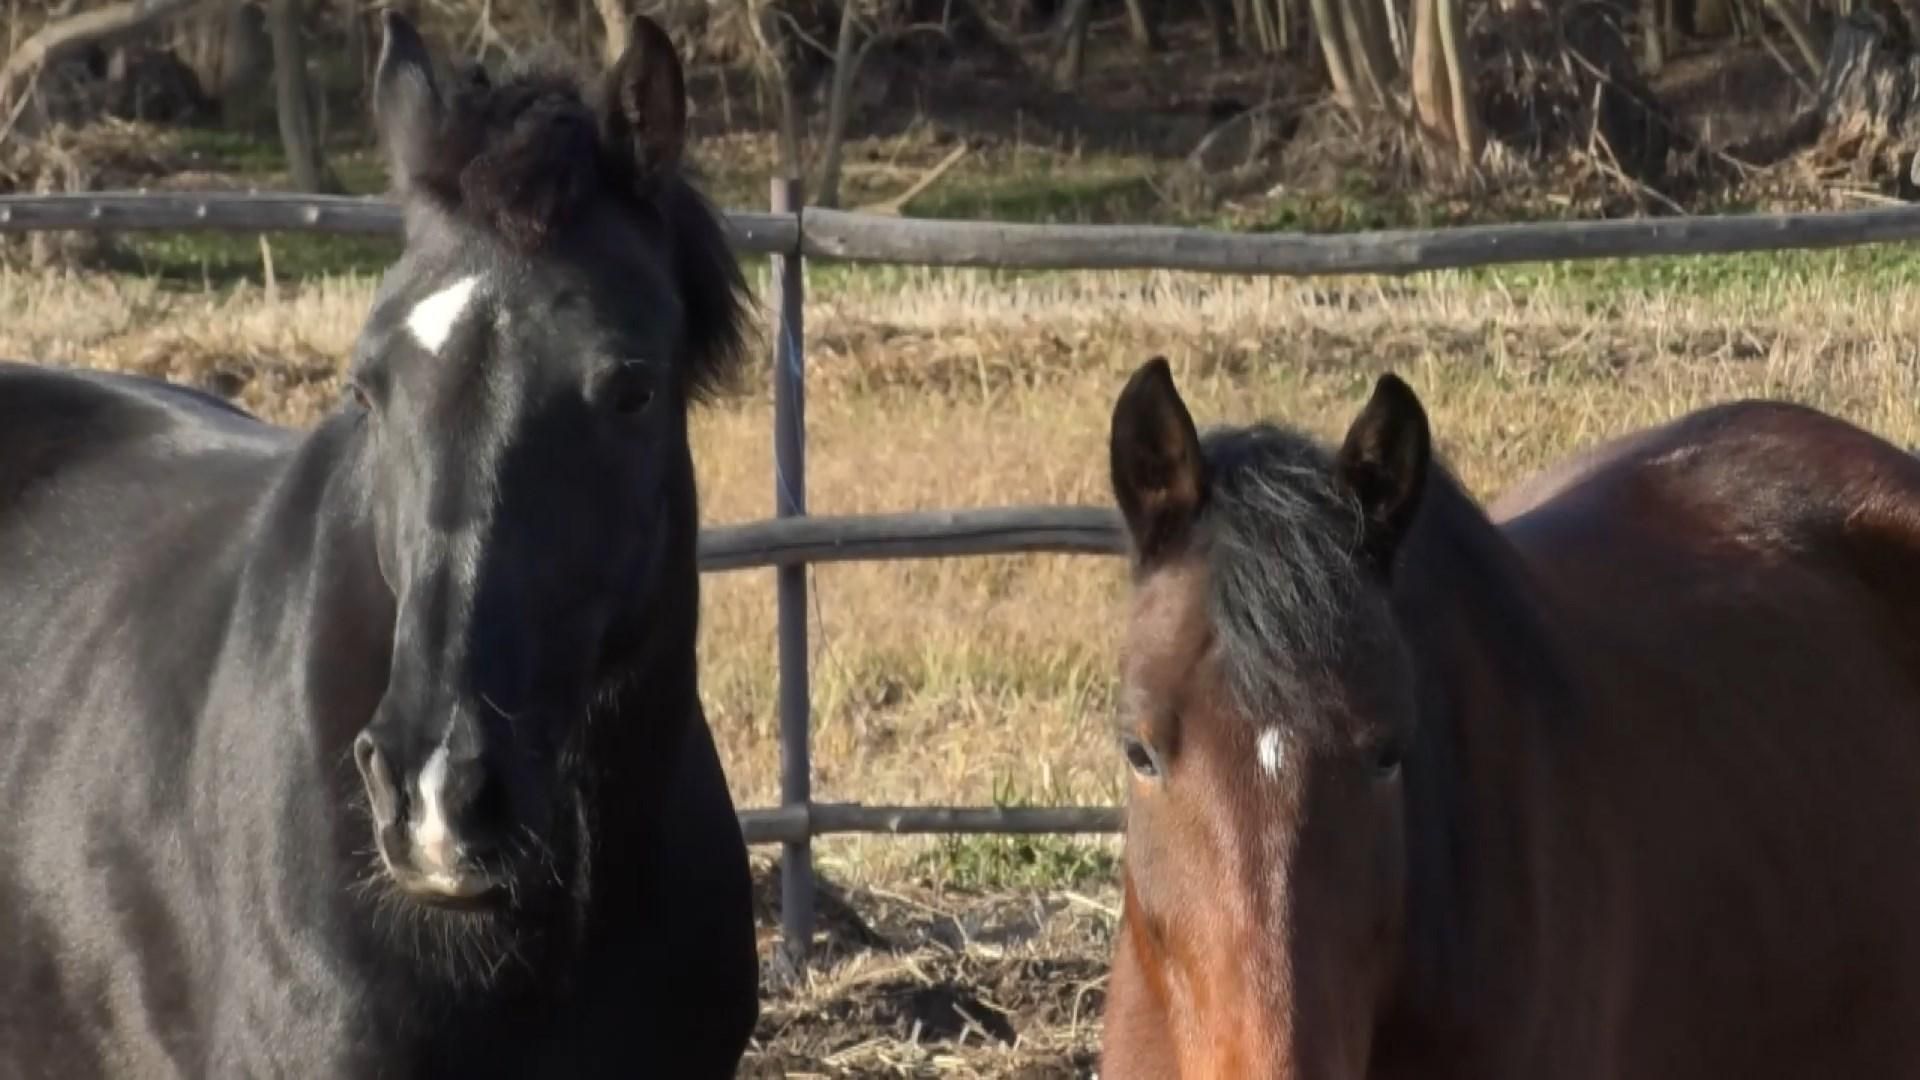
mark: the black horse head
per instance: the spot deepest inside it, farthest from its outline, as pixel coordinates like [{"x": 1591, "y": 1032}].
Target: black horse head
[{"x": 522, "y": 388}]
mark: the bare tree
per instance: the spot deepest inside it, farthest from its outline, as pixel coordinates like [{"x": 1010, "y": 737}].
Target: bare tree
[
  {"x": 294, "y": 100},
  {"x": 1074, "y": 19},
  {"x": 770, "y": 35},
  {"x": 1370, "y": 47},
  {"x": 1221, "y": 27},
  {"x": 1349, "y": 88},
  {"x": 1145, "y": 35},
  {"x": 1655, "y": 17},
  {"x": 66, "y": 36},
  {"x": 846, "y": 63},
  {"x": 1468, "y": 136},
  {"x": 1796, "y": 27},
  {"x": 1270, "y": 23},
  {"x": 617, "y": 20},
  {"x": 246, "y": 65}
]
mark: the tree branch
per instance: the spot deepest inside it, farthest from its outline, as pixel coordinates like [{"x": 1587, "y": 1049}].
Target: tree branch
[{"x": 61, "y": 38}]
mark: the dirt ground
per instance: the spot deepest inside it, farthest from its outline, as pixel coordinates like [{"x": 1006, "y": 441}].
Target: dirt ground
[{"x": 910, "y": 982}]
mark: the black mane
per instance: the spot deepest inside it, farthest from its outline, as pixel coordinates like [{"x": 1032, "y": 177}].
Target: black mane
[{"x": 527, "y": 157}]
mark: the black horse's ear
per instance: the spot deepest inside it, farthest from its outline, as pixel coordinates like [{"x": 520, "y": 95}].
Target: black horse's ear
[
  {"x": 406, "y": 103},
  {"x": 643, "y": 106},
  {"x": 1384, "y": 463},
  {"x": 1159, "y": 476}
]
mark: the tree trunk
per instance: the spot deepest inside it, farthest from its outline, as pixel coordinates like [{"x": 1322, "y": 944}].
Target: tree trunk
[
  {"x": 1467, "y": 133},
  {"x": 775, "y": 72},
  {"x": 1653, "y": 35},
  {"x": 1712, "y": 19},
  {"x": 1427, "y": 74},
  {"x": 615, "y": 17},
  {"x": 1253, "y": 19},
  {"x": 1330, "y": 23},
  {"x": 293, "y": 98},
  {"x": 1398, "y": 36},
  {"x": 1221, "y": 28},
  {"x": 63, "y": 37},
  {"x": 839, "y": 103},
  {"x": 1073, "y": 53},
  {"x": 246, "y": 65},
  {"x": 1870, "y": 98},
  {"x": 1145, "y": 36},
  {"x": 1801, "y": 33},
  {"x": 1370, "y": 48},
  {"x": 360, "y": 50},
  {"x": 197, "y": 42}
]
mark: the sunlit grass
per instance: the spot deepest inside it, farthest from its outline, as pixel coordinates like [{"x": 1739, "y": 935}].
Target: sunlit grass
[{"x": 958, "y": 681}]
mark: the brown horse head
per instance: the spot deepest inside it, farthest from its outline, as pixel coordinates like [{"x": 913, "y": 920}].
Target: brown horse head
[{"x": 1267, "y": 697}]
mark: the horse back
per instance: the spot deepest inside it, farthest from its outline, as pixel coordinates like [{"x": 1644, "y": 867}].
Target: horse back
[
  {"x": 1738, "y": 594},
  {"x": 54, "y": 420},
  {"x": 123, "y": 506},
  {"x": 1750, "y": 488}
]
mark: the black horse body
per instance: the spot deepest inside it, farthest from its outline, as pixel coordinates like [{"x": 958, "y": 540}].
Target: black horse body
[{"x": 195, "y": 627}]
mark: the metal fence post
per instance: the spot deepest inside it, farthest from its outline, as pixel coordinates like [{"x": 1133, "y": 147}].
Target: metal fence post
[{"x": 790, "y": 500}]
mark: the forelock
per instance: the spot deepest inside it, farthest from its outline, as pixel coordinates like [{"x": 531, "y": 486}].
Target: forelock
[
  {"x": 1285, "y": 578},
  {"x": 521, "y": 157},
  {"x": 525, "y": 157}
]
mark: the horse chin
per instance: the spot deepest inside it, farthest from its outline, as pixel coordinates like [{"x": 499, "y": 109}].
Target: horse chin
[{"x": 475, "y": 893}]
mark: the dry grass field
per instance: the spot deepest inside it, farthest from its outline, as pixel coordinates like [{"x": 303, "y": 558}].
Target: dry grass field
[{"x": 990, "y": 679}]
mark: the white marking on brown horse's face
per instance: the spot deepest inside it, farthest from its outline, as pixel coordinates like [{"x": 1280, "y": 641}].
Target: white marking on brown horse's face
[
  {"x": 1271, "y": 752},
  {"x": 432, "y": 320}
]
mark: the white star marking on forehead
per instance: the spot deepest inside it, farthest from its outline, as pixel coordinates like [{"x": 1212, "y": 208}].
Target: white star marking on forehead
[
  {"x": 1271, "y": 752},
  {"x": 432, "y": 320}
]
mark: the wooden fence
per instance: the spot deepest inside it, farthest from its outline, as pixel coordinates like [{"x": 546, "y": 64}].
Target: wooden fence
[{"x": 792, "y": 539}]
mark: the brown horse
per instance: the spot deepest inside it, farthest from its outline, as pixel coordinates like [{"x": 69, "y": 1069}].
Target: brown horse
[{"x": 1622, "y": 782}]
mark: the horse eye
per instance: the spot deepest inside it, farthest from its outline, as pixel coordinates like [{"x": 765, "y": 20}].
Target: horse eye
[
  {"x": 633, "y": 400},
  {"x": 1386, "y": 759},
  {"x": 359, "y": 395},
  {"x": 630, "y": 391},
  {"x": 1140, "y": 757}
]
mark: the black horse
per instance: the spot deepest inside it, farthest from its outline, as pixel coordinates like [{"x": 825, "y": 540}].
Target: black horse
[{"x": 377, "y": 751}]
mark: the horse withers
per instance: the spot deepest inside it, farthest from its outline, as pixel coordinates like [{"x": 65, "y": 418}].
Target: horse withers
[
  {"x": 1620, "y": 782},
  {"x": 377, "y": 750}
]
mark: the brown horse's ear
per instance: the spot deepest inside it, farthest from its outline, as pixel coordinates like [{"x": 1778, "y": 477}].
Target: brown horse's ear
[
  {"x": 1384, "y": 463},
  {"x": 406, "y": 103},
  {"x": 643, "y": 106},
  {"x": 1159, "y": 477}
]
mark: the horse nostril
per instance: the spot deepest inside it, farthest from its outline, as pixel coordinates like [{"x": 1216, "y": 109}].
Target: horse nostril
[{"x": 377, "y": 775}]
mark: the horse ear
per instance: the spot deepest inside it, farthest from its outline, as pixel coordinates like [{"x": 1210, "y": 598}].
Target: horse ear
[
  {"x": 1384, "y": 463},
  {"x": 1159, "y": 476},
  {"x": 643, "y": 107},
  {"x": 406, "y": 103}
]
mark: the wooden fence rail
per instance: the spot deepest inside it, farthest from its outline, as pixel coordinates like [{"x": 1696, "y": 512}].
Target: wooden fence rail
[
  {"x": 932, "y": 534},
  {"x": 791, "y": 824},
  {"x": 879, "y": 238},
  {"x": 793, "y": 540}
]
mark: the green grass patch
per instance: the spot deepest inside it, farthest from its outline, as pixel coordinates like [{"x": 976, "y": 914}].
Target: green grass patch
[
  {"x": 997, "y": 863},
  {"x": 1746, "y": 276},
  {"x": 195, "y": 260},
  {"x": 1048, "y": 197}
]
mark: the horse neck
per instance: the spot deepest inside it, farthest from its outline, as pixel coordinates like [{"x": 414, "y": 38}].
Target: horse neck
[
  {"x": 1493, "y": 689},
  {"x": 635, "y": 737},
  {"x": 339, "y": 612},
  {"x": 315, "y": 610}
]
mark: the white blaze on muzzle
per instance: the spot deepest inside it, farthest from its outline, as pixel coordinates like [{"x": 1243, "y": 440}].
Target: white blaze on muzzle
[{"x": 436, "y": 851}]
